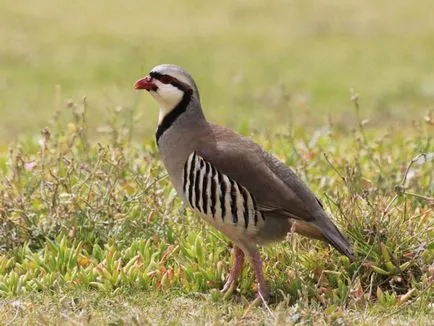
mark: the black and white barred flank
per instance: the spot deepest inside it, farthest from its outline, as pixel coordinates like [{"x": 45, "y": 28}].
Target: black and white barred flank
[{"x": 214, "y": 194}]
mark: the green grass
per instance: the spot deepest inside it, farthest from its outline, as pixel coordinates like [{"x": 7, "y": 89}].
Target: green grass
[
  {"x": 90, "y": 228},
  {"x": 100, "y": 226}
]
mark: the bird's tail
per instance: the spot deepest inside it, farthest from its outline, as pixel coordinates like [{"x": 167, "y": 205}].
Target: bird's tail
[
  {"x": 334, "y": 237},
  {"x": 326, "y": 231}
]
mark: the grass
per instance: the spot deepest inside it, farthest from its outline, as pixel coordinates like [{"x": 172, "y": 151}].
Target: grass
[
  {"x": 84, "y": 222},
  {"x": 91, "y": 230}
]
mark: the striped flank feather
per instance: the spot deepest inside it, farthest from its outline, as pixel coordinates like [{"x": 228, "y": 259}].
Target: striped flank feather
[{"x": 215, "y": 195}]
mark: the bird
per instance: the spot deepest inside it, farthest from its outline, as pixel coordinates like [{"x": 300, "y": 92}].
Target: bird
[{"x": 235, "y": 185}]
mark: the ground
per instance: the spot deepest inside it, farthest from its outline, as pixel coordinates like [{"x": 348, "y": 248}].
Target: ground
[{"x": 91, "y": 230}]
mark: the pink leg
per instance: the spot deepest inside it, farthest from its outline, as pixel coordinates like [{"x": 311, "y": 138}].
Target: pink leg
[
  {"x": 257, "y": 268},
  {"x": 236, "y": 269}
]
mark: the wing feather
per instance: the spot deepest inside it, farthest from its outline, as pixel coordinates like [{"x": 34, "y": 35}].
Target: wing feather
[{"x": 278, "y": 192}]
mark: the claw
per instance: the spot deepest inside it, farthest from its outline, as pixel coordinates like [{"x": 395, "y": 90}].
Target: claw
[{"x": 228, "y": 285}]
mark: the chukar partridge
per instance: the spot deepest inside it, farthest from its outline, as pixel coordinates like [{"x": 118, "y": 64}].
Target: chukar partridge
[{"x": 236, "y": 186}]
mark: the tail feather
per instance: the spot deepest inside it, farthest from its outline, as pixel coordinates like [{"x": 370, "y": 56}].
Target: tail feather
[
  {"x": 325, "y": 231},
  {"x": 334, "y": 237}
]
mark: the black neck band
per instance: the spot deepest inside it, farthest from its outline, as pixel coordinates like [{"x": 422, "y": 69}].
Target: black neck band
[{"x": 170, "y": 118}]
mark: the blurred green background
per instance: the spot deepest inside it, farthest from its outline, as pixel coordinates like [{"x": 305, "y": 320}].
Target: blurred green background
[{"x": 261, "y": 63}]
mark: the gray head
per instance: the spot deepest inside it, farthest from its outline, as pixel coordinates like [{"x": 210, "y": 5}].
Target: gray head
[{"x": 169, "y": 85}]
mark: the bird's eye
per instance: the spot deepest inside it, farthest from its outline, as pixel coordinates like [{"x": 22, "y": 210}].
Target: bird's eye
[{"x": 165, "y": 79}]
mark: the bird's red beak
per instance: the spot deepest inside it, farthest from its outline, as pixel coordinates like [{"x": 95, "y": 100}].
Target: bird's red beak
[{"x": 145, "y": 83}]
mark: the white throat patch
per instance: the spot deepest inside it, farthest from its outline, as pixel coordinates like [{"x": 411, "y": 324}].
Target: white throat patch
[{"x": 168, "y": 97}]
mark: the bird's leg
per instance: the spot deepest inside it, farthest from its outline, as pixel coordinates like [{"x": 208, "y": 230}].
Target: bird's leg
[
  {"x": 256, "y": 261},
  {"x": 236, "y": 269}
]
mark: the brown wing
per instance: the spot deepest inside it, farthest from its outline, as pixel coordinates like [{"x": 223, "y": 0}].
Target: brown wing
[{"x": 279, "y": 193}]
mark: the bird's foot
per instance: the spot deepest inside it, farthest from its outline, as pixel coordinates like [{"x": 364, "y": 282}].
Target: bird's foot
[
  {"x": 236, "y": 270},
  {"x": 260, "y": 285}
]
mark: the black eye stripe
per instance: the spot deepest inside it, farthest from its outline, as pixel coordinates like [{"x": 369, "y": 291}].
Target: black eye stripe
[
  {"x": 167, "y": 79},
  {"x": 154, "y": 74}
]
